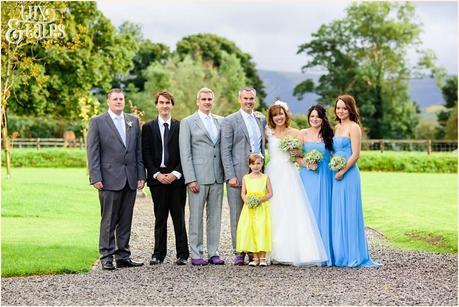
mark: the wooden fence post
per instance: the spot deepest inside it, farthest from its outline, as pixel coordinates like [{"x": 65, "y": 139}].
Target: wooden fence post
[
  {"x": 381, "y": 146},
  {"x": 429, "y": 147},
  {"x": 38, "y": 143}
]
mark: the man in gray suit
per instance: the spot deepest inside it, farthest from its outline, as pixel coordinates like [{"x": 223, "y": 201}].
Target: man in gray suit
[
  {"x": 242, "y": 133},
  {"x": 116, "y": 170},
  {"x": 202, "y": 168}
]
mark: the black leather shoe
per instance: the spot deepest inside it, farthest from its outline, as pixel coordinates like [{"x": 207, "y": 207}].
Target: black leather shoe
[
  {"x": 128, "y": 263},
  {"x": 108, "y": 266},
  {"x": 155, "y": 261},
  {"x": 181, "y": 261}
]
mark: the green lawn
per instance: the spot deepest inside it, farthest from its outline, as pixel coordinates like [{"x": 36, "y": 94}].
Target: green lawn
[
  {"x": 50, "y": 221},
  {"x": 416, "y": 211},
  {"x": 50, "y": 217}
]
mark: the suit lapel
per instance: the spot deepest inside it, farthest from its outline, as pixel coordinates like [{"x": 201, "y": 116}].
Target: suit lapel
[
  {"x": 174, "y": 125},
  {"x": 111, "y": 124},
  {"x": 129, "y": 129},
  {"x": 199, "y": 122},
  {"x": 241, "y": 123}
]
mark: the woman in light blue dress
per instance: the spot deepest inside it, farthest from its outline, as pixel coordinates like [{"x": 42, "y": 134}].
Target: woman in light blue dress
[
  {"x": 318, "y": 178},
  {"x": 350, "y": 247}
]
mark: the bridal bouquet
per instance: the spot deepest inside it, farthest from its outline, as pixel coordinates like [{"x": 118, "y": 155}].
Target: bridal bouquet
[
  {"x": 253, "y": 199},
  {"x": 289, "y": 143},
  {"x": 313, "y": 157},
  {"x": 337, "y": 163}
]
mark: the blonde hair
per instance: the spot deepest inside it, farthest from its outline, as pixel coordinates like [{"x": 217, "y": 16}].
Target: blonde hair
[{"x": 204, "y": 90}]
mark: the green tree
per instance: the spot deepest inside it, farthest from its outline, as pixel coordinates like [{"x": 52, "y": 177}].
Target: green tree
[
  {"x": 365, "y": 55},
  {"x": 183, "y": 78},
  {"x": 89, "y": 57},
  {"x": 210, "y": 48},
  {"x": 147, "y": 54},
  {"x": 447, "y": 119}
]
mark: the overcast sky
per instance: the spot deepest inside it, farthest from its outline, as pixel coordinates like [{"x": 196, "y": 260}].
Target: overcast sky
[{"x": 271, "y": 31}]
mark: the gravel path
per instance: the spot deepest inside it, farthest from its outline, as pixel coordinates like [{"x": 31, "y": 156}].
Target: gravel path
[{"x": 407, "y": 278}]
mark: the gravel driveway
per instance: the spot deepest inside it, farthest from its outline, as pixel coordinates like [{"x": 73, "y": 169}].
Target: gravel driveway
[{"x": 407, "y": 278}]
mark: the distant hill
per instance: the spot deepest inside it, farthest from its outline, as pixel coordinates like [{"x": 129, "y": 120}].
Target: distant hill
[{"x": 280, "y": 84}]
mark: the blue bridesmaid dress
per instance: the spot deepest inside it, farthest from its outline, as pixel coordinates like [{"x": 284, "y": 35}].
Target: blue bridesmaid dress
[
  {"x": 318, "y": 187},
  {"x": 350, "y": 246}
]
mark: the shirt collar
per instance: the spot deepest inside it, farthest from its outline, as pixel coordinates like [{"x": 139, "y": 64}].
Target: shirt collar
[
  {"x": 245, "y": 114},
  {"x": 161, "y": 121},
  {"x": 203, "y": 115},
  {"x": 113, "y": 115}
]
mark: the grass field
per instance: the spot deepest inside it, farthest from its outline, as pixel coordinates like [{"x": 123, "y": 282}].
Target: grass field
[
  {"x": 50, "y": 220},
  {"x": 50, "y": 217},
  {"x": 416, "y": 211}
]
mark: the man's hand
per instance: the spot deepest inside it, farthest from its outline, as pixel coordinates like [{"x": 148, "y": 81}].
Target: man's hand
[
  {"x": 233, "y": 182},
  {"x": 163, "y": 178},
  {"x": 140, "y": 184},
  {"x": 98, "y": 185},
  {"x": 171, "y": 177},
  {"x": 193, "y": 186}
]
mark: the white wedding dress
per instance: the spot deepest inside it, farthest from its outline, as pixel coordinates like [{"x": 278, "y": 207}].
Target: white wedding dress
[{"x": 295, "y": 236}]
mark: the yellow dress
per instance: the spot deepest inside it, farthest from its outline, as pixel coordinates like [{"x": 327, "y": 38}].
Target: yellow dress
[{"x": 253, "y": 233}]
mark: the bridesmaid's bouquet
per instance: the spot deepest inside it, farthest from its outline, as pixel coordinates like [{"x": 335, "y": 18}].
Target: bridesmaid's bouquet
[
  {"x": 290, "y": 143},
  {"x": 337, "y": 163},
  {"x": 253, "y": 199},
  {"x": 313, "y": 157}
]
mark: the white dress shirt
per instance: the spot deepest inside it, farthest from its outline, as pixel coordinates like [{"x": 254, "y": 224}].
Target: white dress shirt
[
  {"x": 122, "y": 124},
  {"x": 161, "y": 130},
  {"x": 254, "y": 139},
  {"x": 209, "y": 123}
]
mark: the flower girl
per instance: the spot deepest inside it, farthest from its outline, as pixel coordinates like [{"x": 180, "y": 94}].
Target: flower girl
[{"x": 253, "y": 232}]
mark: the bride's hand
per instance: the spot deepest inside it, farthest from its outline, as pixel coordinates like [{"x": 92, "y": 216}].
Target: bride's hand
[
  {"x": 300, "y": 161},
  {"x": 295, "y": 153}
]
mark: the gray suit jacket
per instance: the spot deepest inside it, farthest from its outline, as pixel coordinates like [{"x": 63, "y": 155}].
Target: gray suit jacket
[
  {"x": 109, "y": 160},
  {"x": 235, "y": 145},
  {"x": 200, "y": 157}
]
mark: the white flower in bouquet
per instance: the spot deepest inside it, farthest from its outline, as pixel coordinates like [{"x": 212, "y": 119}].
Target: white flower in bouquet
[
  {"x": 253, "y": 200},
  {"x": 289, "y": 143},
  {"x": 337, "y": 163},
  {"x": 313, "y": 157}
]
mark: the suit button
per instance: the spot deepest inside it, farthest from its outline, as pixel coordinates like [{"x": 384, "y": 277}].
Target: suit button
[
  {"x": 215, "y": 156},
  {"x": 125, "y": 164}
]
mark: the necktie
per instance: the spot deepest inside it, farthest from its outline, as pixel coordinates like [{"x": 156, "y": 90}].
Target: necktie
[
  {"x": 256, "y": 136},
  {"x": 210, "y": 129},
  {"x": 165, "y": 140},
  {"x": 119, "y": 126}
]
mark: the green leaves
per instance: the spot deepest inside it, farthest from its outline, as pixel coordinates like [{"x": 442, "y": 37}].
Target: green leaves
[{"x": 365, "y": 55}]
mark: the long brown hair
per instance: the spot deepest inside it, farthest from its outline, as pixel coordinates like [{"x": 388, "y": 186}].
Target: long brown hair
[{"x": 351, "y": 106}]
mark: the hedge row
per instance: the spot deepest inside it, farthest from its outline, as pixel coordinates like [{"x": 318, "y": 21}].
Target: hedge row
[{"x": 411, "y": 162}]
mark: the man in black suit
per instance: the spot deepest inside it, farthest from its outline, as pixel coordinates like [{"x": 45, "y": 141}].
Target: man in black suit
[{"x": 160, "y": 149}]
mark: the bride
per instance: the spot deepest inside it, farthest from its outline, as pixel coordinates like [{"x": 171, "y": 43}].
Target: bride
[{"x": 295, "y": 236}]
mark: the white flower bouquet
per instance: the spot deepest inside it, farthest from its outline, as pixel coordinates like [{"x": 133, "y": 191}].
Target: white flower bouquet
[{"x": 337, "y": 162}]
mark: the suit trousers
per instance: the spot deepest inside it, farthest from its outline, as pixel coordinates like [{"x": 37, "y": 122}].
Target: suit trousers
[
  {"x": 235, "y": 205},
  {"x": 210, "y": 196},
  {"x": 117, "y": 208},
  {"x": 169, "y": 199}
]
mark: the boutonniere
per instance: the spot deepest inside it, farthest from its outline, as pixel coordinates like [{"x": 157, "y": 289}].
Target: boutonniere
[
  {"x": 129, "y": 123},
  {"x": 258, "y": 114}
]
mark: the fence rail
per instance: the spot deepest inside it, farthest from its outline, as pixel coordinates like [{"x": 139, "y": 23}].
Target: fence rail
[
  {"x": 46, "y": 143},
  {"x": 380, "y": 145}
]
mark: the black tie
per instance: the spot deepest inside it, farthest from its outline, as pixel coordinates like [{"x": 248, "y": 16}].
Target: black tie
[{"x": 165, "y": 147}]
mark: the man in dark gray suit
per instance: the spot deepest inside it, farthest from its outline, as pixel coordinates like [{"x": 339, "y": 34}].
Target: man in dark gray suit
[
  {"x": 116, "y": 170},
  {"x": 242, "y": 134},
  {"x": 199, "y": 141}
]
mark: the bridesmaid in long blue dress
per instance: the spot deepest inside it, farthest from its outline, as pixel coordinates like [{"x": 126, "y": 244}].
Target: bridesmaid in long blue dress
[
  {"x": 318, "y": 179},
  {"x": 350, "y": 247}
]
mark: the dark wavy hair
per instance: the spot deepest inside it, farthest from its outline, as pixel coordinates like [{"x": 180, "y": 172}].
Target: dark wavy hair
[
  {"x": 351, "y": 106},
  {"x": 326, "y": 131}
]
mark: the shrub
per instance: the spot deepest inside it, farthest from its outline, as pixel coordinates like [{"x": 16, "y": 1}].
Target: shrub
[{"x": 52, "y": 157}]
